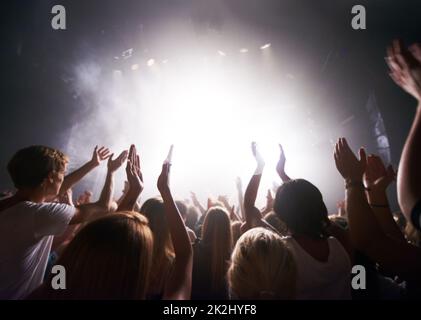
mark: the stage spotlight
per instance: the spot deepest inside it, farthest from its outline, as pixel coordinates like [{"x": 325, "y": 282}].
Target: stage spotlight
[
  {"x": 150, "y": 62},
  {"x": 135, "y": 67},
  {"x": 221, "y": 53},
  {"x": 265, "y": 46},
  {"x": 244, "y": 50}
]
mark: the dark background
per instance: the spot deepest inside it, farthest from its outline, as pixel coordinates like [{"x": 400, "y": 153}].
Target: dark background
[{"x": 343, "y": 65}]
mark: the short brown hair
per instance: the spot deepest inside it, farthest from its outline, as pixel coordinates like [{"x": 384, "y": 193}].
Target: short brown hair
[{"x": 31, "y": 165}]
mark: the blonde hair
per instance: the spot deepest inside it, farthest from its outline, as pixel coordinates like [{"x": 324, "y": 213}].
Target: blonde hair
[
  {"x": 262, "y": 267},
  {"x": 163, "y": 251},
  {"x": 110, "y": 258},
  {"x": 217, "y": 234}
]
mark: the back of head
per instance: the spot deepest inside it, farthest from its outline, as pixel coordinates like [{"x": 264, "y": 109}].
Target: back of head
[
  {"x": 163, "y": 252},
  {"x": 182, "y": 208},
  {"x": 217, "y": 235},
  {"x": 299, "y": 204},
  {"x": 262, "y": 267},
  {"x": 30, "y": 166},
  {"x": 154, "y": 210},
  {"x": 192, "y": 217},
  {"x": 110, "y": 258}
]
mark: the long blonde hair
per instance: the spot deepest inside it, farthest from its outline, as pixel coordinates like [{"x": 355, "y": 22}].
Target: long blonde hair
[
  {"x": 110, "y": 258},
  {"x": 217, "y": 234},
  {"x": 163, "y": 251},
  {"x": 262, "y": 267}
]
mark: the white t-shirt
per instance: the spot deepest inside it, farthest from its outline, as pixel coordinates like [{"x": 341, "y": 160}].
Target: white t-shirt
[
  {"x": 316, "y": 280},
  {"x": 26, "y": 234}
]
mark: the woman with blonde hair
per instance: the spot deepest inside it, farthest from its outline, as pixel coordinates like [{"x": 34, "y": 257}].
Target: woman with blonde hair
[
  {"x": 163, "y": 252},
  {"x": 211, "y": 256},
  {"x": 262, "y": 253}
]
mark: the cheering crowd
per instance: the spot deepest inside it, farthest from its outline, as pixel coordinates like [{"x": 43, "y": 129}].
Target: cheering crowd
[{"x": 162, "y": 248}]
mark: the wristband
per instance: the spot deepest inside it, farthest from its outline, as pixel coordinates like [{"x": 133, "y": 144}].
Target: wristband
[{"x": 352, "y": 184}]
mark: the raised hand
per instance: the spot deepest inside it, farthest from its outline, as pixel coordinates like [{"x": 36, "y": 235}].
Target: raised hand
[
  {"x": 351, "y": 168},
  {"x": 114, "y": 165},
  {"x": 99, "y": 155},
  {"x": 194, "y": 199},
  {"x": 164, "y": 177},
  {"x": 377, "y": 177},
  {"x": 133, "y": 172},
  {"x": 405, "y": 67},
  {"x": 259, "y": 159},
  {"x": 280, "y": 167},
  {"x": 225, "y": 202},
  {"x": 340, "y": 205},
  {"x": 269, "y": 201}
]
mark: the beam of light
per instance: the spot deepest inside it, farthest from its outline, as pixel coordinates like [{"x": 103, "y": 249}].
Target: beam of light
[
  {"x": 210, "y": 111},
  {"x": 265, "y": 46},
  {"x": 244, "y": 50}
]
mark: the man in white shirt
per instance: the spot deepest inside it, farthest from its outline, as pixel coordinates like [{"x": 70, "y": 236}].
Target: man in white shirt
[{"x": 28, "y": 222}]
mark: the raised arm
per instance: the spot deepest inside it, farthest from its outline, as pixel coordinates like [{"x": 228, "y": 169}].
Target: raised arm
[
  {"x": 197, "y": 203},
  {"x": 280, "y": 167},
  {"x": 71, "y": 179},
  {"x": 252, "y": 214},
  {"x": 178, "y": 286},
  {"x": 366, "y": 235},
  {"x": 135, "y": 179},
  {"x": 405, "y": 70},
  {"x": 91, "y": 211},
  {"x": 377, "y": 178},
  {"x": 240, "y": 196}
]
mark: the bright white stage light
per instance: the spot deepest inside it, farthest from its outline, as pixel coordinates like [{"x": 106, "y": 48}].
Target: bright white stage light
[
  {"x": 210, "y": 111},
  {"x": 222, "y": 53},
  {"x": 135, "y": 67},
  {"x": 244, "y": 50},
  {"x": 265, "y": 46}
]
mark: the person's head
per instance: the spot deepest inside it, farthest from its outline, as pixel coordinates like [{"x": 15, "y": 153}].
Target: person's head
[
  {"x": 192, "y": 217},
  {"x": 110, "y": 258},
  {"x": 38, "y": 167},
  {"x": 182, "y": 208},
  {"x": 154, "y": 210},
  {"x": 262, "y": 267},
  {"x": 299, "y": 204},
  {"x": 217, "y": 235}
]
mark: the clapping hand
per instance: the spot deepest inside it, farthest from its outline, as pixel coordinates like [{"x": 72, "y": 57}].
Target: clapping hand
[
  {"x": 99, "y": 155},
  {"x": 405, "y": 67},
  {"x": 351, "y": 168},
  {"x": 259, "y": 159},
  {"x": 377, "y": 177},
  {"x": 163, "y": 180},
  {"x": 133, "y": 172},
  {"x": 114, "y": 165}
]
